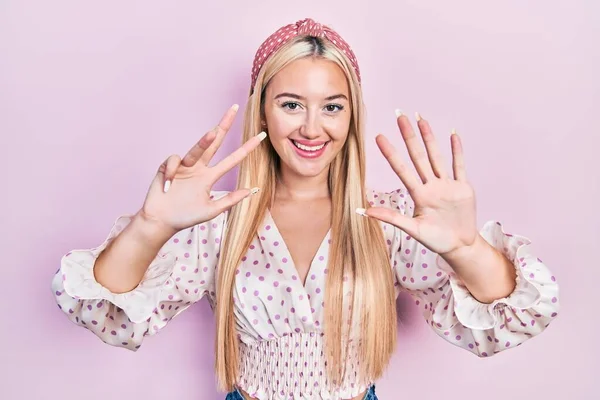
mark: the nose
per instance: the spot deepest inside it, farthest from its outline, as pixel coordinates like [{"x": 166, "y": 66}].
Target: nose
[{"x": 311, "y": 128}]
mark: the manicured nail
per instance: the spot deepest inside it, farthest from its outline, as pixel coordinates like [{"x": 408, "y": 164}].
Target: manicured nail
[
  {"x": 361, "y": 211},
  {"x": 254, "y": 190},
  {"x": 167, "y": 186},
  {"x": 262, "y": 135},
  {"x": 235, "y": 107},
  {"x": 418, "y": 116},
  {"x": 398, "y": 113}
]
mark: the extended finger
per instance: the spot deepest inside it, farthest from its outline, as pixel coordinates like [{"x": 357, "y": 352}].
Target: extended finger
[
  {"x": 194, "y": 154},
  {"x": 458, "y": 159},
  {"x": 405, "y": 223},
  {"x": 231, "y": 199},
  {"x": 237, "y": 156},
  {"x": 435, "y": 157},
  {"x": 220, "y": 130},
  {"x": 415, "y": 149},
  {"x": 408, "y": 178}
]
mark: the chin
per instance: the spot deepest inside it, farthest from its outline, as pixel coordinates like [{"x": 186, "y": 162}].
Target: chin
[
  {"x": 311, "y": 172},
  {"x": 303, "y": 170}
]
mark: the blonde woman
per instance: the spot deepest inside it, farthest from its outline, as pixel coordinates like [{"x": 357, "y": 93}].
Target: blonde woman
[{"x": 302, "y": 263}]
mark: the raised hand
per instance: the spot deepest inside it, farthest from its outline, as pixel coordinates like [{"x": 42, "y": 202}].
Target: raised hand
[
  {"x": 444, "y": 218},
  {"x": 179, "y": 196}
]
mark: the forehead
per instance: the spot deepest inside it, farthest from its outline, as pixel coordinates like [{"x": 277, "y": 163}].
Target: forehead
[{"x": 310, "y": 76}]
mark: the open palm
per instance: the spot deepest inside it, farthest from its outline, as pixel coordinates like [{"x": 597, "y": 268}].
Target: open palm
[
  {"x": 444, "y": 217},
  {"x": 179, "y": 195}
]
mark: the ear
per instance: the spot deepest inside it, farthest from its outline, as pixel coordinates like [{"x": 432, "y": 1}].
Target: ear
[{"x": 263, "y": 119}]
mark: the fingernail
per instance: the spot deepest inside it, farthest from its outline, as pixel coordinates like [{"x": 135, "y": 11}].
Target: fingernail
[
  {"x": 453, "y": 132},
  {"x": 167, "y": 186},
  {"x": 235, "y": 107},
  {"x": 254, "y": 190},
  {"x": 262, "y": 135},
  {"x": 398, "y": 113},
  {"x": 361, "y": 211},
  {"x": 418, "y": 116}
]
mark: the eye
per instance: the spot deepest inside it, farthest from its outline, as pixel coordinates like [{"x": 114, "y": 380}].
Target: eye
[
  {"x": 290, "y": 105},
  {"x": 332, "y": 108}
]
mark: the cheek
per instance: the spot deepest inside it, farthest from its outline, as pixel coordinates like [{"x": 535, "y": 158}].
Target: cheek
[
  {"x": 282, "y": 125},
  {"x": 338, "y": 128}
]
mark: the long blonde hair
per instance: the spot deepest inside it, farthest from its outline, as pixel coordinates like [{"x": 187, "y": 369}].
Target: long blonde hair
[{"x": 357, "y": 248}]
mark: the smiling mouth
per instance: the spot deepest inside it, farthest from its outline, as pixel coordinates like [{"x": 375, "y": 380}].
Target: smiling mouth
[{"x": 308, "y": 148}]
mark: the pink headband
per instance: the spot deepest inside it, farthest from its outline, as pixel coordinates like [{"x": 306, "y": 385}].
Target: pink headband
[{"x": 305, "y": 27}]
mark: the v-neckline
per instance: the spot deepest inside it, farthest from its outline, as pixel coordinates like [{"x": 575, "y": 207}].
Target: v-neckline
[{"x": 288, "y": 254}]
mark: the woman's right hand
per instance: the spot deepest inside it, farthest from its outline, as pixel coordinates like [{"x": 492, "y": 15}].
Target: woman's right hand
[{"x": 179, "y": 195}]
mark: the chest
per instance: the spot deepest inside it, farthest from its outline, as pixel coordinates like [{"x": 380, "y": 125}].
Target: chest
[
  {"x": 271, "y": 290},
  {"x": 302, "y": 229}
]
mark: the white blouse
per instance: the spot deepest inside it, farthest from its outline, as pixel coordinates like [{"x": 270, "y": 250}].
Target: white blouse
[{"x": 280, "y": 320}]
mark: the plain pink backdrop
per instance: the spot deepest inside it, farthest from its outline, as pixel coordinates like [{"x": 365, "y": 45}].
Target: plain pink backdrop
[{"x": 94, "y": 95}]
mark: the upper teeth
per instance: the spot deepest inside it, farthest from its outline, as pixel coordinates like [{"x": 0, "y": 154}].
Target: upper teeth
[{"x": 308, "y": 148}]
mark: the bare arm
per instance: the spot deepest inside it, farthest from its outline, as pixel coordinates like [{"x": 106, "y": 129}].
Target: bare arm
[
  {"x": 178, "y": 198},
  {"x": 122, "y": 265}
]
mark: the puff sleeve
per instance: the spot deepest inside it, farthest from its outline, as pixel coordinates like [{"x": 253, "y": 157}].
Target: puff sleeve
[
  {"x": 181, "y": 274},
  {"x": 448, "y": 307}
]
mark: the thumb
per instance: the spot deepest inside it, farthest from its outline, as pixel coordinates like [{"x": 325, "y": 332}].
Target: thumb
[
  {"x": 232, "y": 198},
  {"x": 407, "y": 224}
]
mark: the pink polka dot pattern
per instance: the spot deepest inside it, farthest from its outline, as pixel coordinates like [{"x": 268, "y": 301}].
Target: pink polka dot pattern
[
  {"x": 178, "y": 277},
  {"x": 303, "y": 27},
  {"x": 303, "y": 375},
  {"x": 279, "y": 317},
  {"x": 448, "y": 306}
]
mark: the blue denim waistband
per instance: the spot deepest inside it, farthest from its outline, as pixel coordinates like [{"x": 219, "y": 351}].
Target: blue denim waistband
[{"x": 236, "y": 395}]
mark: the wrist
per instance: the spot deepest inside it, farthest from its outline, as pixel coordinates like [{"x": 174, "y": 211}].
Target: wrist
[
  {"x": 485, "y": 271},
  {"x": 478, "y": 247},
  {"x": 150, "y": 229}
]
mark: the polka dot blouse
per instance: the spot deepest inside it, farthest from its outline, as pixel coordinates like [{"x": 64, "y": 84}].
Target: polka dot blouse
[{"x": 280, "y": 320}]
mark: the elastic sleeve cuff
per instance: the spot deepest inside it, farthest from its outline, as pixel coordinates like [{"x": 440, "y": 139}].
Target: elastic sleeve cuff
[
  {"x": 79, "y": 281},
  {"x": 531, "y": 283}
]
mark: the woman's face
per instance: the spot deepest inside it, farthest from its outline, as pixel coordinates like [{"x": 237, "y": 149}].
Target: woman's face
[{"x": 307, "y": 113}]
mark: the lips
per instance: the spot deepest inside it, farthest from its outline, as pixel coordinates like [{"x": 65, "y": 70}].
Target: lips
[{"x": 307, "y": 149}]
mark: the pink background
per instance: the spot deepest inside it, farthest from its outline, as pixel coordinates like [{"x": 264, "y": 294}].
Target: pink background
[{"x": 94, "y": 95}]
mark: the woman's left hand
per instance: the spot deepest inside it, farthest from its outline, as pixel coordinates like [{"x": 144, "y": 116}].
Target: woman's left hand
[{"x": 444, "y": 218}]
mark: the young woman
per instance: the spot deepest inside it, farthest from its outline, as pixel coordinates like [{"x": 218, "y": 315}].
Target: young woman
[{"x": 304, "y": 268}]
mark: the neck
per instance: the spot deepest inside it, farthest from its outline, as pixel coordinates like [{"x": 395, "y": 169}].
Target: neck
[{"x": 291, "y": 186}]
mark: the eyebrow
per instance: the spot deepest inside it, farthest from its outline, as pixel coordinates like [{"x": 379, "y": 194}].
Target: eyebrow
[{"x": 296, "y": 96}]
